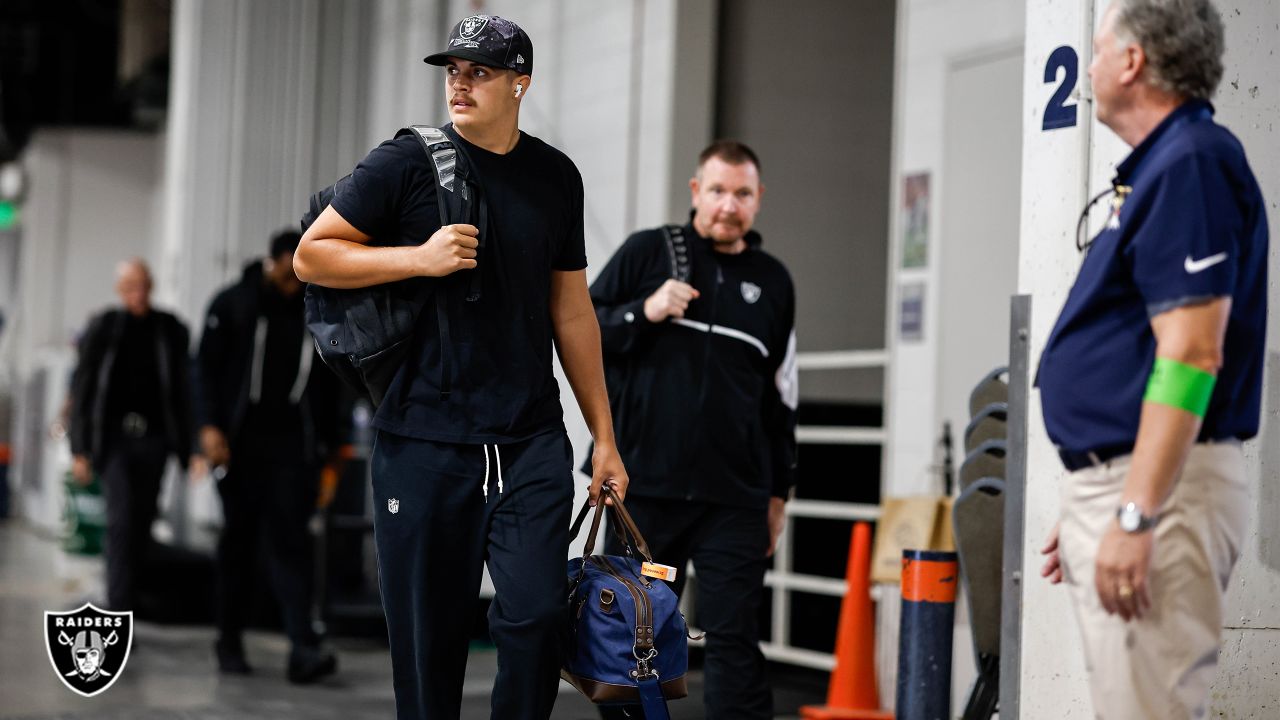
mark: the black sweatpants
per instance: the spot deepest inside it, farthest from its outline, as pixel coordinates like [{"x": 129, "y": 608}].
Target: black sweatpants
[
  {"x": 267, "y": 500},
  {"x": 435, "y": 526},
  {"x": 131, "y": 477},
  {"x": 727, "y": 546}
]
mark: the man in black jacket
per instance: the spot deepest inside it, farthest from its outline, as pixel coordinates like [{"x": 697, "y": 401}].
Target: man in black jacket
[
  {"x": 130, "y": 410},
  {"x": 269, "y": 422},
  {"x": 702, "y": 382}
]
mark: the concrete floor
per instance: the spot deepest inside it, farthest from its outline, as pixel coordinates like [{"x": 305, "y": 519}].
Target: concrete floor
[{"x": 171, "y": 671}]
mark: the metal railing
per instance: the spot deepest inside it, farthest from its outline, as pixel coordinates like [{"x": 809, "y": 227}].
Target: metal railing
[{"x": 783, "y": 580}]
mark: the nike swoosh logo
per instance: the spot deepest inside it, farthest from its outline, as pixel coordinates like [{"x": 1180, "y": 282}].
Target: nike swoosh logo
[{"x": 1195, "y": 266}]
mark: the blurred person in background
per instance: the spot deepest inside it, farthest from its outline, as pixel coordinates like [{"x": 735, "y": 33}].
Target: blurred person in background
[
  {"x": 269, "y": 422},
  {"x": 129, "y": 411},
  {"x": 702, "y": 380}
]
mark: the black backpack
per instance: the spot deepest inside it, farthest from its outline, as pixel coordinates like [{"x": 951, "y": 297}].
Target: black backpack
[{"x": 364, "y": 334}]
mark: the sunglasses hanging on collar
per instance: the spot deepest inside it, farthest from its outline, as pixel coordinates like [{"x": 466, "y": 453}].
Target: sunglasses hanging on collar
[{"x": 1118, "y": 193}]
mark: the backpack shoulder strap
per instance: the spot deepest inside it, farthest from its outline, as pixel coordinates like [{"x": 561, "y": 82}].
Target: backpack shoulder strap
[
  {"x": 452, "y": 199},
  {"x": 444, "y": 163},
  {"x": 678, "y": 250}
]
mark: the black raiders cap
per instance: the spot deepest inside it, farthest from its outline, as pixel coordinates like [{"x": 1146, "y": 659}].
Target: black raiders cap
[{"x": 488, "y": 40}]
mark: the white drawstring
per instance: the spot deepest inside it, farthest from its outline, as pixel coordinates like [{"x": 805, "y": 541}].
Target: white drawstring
[
  {"x": 485, "y": 487},
  {"x": 498, "y": 458}
]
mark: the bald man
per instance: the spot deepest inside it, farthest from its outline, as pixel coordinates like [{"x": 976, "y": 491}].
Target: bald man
[{"x": 129, "y": 411}]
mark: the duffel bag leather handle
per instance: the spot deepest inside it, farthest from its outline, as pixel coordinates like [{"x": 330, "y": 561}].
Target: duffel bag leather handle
[{"x": 620, "y": 514}]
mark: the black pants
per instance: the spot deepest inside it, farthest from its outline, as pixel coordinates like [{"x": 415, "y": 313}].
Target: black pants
[
  {"x": 131, "y": 477},
  {"x": 435, "y": 526},
  {"x": 267, "y": 500},
  {"x": 727, "y": 546}
]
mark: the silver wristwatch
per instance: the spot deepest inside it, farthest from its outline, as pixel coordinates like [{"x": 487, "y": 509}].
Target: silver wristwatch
[{"x": 1132, "y": 520}]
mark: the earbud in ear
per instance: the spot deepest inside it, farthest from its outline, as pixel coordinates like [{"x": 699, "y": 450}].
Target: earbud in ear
[{"x": 519, "y": 89}]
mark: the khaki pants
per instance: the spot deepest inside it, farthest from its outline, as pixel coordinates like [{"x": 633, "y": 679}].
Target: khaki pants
[{"x": 1159, "y": 667}]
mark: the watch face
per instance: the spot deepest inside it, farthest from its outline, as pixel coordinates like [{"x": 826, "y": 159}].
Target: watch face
[{"x": 1129, "y": 520}]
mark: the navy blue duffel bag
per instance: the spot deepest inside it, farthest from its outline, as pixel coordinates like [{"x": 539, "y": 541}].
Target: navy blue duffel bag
[{"x": 627, "y": 642}]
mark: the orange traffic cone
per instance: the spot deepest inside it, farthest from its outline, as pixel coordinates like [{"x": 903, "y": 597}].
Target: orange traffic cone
[{"x": 852, "y": 694}]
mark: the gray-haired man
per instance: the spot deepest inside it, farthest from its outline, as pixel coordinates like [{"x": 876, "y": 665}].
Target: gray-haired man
[{"x": 1152, "y": 375}]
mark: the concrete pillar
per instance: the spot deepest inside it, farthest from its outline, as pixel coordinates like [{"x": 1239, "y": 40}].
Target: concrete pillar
[{"x": 1054, "y": 188}]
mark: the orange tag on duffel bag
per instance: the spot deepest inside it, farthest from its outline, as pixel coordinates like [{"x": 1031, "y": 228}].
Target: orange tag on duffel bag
[{"x": 661, "y": 572}]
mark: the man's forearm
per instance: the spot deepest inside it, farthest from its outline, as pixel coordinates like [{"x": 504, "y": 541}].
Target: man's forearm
[
  {"x": 1165, "y": 434},
  {"x": 1188, "y": 353},
  {"x": 578, "y": 341},
  {"x": 343, "y": 264}
]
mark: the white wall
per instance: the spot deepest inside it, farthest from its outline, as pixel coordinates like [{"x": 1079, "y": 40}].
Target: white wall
[
  {"x": 978, "y": 223},
  {"x": 92, "y": 202},
  {"x": 1061, "y": 169},
  {"x": 933, "y": 35}
]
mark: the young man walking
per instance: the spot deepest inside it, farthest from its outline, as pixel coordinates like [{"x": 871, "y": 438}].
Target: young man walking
[{"x": 471, "y": 462}]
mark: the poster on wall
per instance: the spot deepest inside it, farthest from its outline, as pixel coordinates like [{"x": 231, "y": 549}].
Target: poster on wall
[
  {"x": 911, "y": 312},
  {"x": 915, "y": 220}
]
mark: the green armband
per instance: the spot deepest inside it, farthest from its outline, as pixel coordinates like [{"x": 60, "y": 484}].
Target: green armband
[{"x": 1180, "y": 385}]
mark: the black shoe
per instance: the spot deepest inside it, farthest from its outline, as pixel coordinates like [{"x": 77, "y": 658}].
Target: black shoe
[
  {"x": 231, "y": 658},
  {"x": 308, "y": 664}
]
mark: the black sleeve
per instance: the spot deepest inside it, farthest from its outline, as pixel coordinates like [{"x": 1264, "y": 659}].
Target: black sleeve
[
  {"x": 619, "y": 292},
  {"x": 781, "y": 398},
  {"x": 213, "y": 362},
  {"x": 371, "y": 199},
  {"x": 573, "y": 248},
  {"x": 84, "y": 384}
]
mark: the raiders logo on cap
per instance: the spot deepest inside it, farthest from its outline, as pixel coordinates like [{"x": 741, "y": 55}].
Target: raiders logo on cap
[{"x": 488, "y": 40}]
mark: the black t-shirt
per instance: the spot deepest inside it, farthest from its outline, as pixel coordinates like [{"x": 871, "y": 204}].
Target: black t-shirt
[
  {"x": 502, "y": 385},
  {"x": 133, "y": 387}
]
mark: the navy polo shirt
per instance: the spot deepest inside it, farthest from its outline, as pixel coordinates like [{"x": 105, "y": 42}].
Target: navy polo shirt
[{"x": 1192, "y": 229}]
